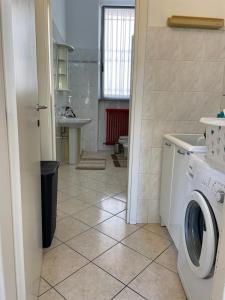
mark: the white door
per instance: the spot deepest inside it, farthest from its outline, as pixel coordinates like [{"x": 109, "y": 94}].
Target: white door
[{"x": 19, "y": 44}]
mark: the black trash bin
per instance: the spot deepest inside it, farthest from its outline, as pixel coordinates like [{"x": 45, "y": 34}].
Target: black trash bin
[{"x": 49, "y": 184}]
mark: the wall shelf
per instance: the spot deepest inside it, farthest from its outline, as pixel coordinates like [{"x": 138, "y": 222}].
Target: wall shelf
[{"x": 61, "y": 75}]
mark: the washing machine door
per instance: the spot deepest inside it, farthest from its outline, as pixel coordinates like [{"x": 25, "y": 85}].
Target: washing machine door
[{"x": 200, "y": 235}]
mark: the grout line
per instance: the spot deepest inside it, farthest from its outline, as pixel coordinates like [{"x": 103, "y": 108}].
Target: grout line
[
  {"x": 71, "y": 274},
  {"x": 131, "y": 290},
  {"x": 117, "y": 242},
  {"x": 50, "y": 287},
  {"x": 108, "y": 211},
  {"x": 59, "y": 294},
  {"x": 73, "y": 236}
]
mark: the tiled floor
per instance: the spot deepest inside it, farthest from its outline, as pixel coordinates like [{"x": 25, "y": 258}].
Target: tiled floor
[{"x": 95, "y": 255}]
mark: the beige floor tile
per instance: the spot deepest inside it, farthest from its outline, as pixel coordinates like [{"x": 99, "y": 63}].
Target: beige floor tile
[
  {"x": 122, "y": 262},
  {"x": 62, "y": 197},
  {"x": 158, "y": 229},
  {"x": 67, "y": 228},
  {"x": 55, "y": 243},
  {"x": 114, "y": 189},
  {"x": 61, "y": 262},
  {"x": 169, "y": 258},
  {"x": 92, "y": 197},
  {"x": 63, "y": 184},
  {"x": 92, "y": 216},
  {"x": 117, "y": 228},
  {"x": 158, "y": 283},
  {"x": 128, "y": 294},
  {"x": 122, "y": 215},
  {"x": 94, "y": 185},
  {"x": 90, "y": 283},
  {"x": 91, "y": 243},
  {"x": 51, "y": 295},
  {"x": 147, "y": 243},
  {"x": 72, "y": 190},
  {"x": 60, "y": 214},
  {"x": 122, "y": 196},
  {"x": 44, "y": 287},
  {"x": 112, "y": 205},
  {"x": 72, "y": 206}
]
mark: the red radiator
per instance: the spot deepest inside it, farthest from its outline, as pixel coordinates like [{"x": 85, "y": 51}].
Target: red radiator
[{"x": 117, "y": 124}]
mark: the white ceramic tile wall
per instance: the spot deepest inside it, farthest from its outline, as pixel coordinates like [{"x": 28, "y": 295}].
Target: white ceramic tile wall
[
  {"x": 83, "y": 83},
  {"x": 103, "y": 105},
  {"x": 184, "y": 74},
  {"x": 60, "y": 98}
]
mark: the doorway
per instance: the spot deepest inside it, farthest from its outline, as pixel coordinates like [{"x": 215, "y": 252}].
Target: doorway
[{"x": 99, "y": 89}]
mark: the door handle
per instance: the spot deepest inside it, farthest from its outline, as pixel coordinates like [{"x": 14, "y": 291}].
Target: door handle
[
  {"x": 180, "y": 152},
  {"x": 39, "y": 107},
  {"x": 168, "y": 144}
]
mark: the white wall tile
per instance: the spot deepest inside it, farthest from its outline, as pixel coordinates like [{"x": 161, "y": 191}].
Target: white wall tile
[
  {"x": 153, "y": 211},
  {"x": 184, "y": 78},
  {"x": 161, "y": 75},
  {"x": 160, "y": 128},
  {"x": 212, "y": 76},
  {"x": 142, "y": 210},
  {"x": 192, "y": 43},
  {"x": 215, "y": 45},
  {"x": 156, "y": 160},
  {"x": 149, "y": 186},
  {"x": 146, "y": 135},
  {"x": 83, "y": 83},
  {"x": 163, "y": 43}
]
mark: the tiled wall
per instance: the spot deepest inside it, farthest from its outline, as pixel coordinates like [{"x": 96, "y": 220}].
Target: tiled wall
[
  {"x": 184, "y": 75},
  {"x": 60, "y": 99},
  {"x": 83, "y": 84}
]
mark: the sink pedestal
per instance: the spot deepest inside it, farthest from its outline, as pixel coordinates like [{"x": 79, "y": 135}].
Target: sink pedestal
[
  {"x": 74, "y": 145},
  {"x": 74, "y": 125}
]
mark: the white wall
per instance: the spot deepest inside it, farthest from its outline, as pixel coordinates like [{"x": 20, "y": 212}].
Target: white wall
[
  {"x": 159, "y": 11},
  {"x": 82, "y": 23},
  {"x": 59, "y": 16},
  {"x": 118, "y": 2}
]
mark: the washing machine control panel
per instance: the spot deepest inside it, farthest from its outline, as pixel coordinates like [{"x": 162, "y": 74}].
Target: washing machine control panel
[
  {"x": 217, "y": 188},
  {"x": 220, "y": 195}
]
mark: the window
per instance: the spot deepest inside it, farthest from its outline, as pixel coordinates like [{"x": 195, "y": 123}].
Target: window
[{"x": 117, "y": 32}]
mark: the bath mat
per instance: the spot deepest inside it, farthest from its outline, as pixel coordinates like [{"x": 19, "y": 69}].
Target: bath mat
[
  {"x": 91, "y": 156},
  {"x": 91, "y": 164},
  {"x": 119, "y": 160}
]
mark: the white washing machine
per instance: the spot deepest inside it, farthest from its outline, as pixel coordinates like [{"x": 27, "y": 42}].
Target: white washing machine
[{"x": 202, "y": 218}]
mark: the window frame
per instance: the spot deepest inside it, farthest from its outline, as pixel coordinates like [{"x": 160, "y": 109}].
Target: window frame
[{"x": 103, "y": 51}]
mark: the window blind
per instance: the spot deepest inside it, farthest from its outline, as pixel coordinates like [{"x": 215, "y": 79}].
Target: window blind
[{"x": 117, "y": 52}]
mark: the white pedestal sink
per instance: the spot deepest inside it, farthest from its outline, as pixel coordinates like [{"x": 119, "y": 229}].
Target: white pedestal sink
[{"x": 74, "y": 125}]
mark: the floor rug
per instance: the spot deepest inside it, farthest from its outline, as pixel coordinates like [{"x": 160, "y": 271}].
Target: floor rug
[{"x": 91, "y": 164}]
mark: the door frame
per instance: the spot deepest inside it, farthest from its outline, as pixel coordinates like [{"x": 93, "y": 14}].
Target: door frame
[
  {"x": 10, "y": 164},
  {"x": 141, "y": 24},
  {"x": 45, "y": 65}
]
